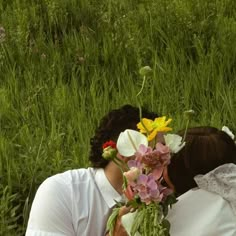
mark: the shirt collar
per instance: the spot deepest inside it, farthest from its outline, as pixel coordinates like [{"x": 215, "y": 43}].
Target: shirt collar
[{"x": 110, "y": 195}]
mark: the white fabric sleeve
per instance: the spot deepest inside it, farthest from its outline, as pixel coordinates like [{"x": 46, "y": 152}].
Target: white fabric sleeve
[
  {"x": 222, "y": 181},
  {"x": 51, "y": 210}
]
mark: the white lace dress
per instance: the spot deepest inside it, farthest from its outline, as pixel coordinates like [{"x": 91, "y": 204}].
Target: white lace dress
[{"x": 209, "y": 210}]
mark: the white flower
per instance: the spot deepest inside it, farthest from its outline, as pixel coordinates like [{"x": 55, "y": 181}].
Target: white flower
[
  {"x": 174, "y": 142},
  {"x": 228, "y": 131},
  {"x": 129, "y": 141}
]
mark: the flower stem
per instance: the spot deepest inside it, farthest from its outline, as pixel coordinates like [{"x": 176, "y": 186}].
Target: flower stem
[
  {"x": 121, "y": 162},
  {"x": 118, "y": 164},
  {"x": 143, "y": 83},
  {"x": 185, "y": 132},
  {"x": 141, "y": 120}
]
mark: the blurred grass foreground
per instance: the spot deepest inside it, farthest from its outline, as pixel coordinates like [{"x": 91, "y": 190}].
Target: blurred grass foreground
[{"x": 65, "y": 63}]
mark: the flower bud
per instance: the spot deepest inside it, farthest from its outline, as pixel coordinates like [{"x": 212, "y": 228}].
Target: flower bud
[
  {"x": 132, "y": 174},
  {"x": 146, "y": 70},
  {"x": 189, "y": 114},
  {"x": 109, "y": 153}
]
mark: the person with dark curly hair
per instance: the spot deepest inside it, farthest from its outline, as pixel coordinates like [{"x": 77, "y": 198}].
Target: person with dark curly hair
[{"x": 79, "y": 202}]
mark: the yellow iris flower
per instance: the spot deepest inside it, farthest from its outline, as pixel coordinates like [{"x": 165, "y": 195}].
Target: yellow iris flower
[{"x": 151, "y": 128}]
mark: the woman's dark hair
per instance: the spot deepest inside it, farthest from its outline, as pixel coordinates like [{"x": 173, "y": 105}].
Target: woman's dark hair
[
  {"x": 111, "y": 126},
  {"x": 206, "y": 148}
]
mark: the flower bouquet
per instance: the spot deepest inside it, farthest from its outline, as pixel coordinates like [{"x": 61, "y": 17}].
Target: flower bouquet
[{"x": 148, "y": 152}]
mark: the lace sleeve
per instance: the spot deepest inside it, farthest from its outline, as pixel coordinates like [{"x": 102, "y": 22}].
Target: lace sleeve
[{"x": 222, "y": 181}]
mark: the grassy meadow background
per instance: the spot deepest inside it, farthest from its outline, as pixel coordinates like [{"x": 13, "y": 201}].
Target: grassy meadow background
[{"x": 65, "y": 63}]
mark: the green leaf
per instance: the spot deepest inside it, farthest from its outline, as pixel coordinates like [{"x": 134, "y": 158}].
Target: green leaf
[{"x": 112, "y": 220}]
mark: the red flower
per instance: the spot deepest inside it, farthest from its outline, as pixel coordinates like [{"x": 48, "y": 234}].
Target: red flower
[{"x": 109, "y": 143}]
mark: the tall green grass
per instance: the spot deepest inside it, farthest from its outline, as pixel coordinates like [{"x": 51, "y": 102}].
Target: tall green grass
[{"x": 64, "y": 64}]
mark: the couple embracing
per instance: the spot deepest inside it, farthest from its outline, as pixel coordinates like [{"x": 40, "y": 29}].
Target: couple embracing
[{"x": 202, "y": 175}]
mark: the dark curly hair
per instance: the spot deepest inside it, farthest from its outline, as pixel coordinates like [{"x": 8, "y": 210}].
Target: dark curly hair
[
  {"x": 206, "y": 148},
  {"x": 110, "y": 127}
]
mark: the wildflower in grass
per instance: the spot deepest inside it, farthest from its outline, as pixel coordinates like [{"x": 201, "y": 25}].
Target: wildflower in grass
[
  {"x": 189, "y": 113},
  {"x": 146, "y": 70},
  {"x": 151, "y": 128},
  {"x": 43, "y": 56},
  {"x": 81, "y": 60}
]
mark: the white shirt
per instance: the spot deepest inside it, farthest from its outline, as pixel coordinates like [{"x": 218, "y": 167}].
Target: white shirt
[
  {"x": 202, "y": 213},
  {"x": 73, "y": 203}
]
